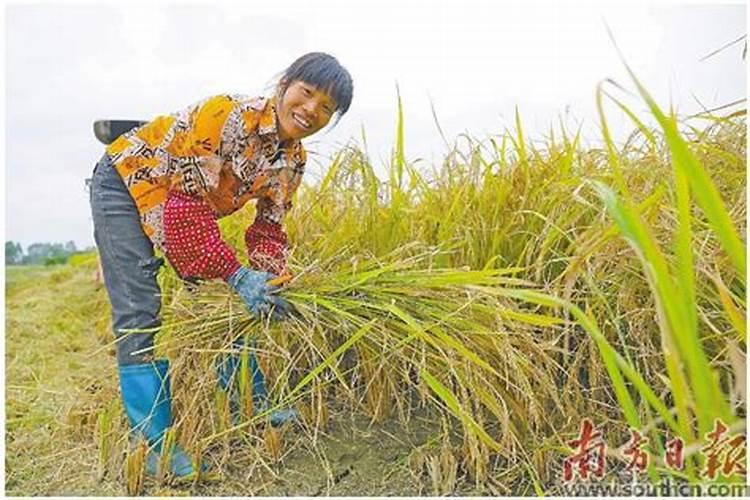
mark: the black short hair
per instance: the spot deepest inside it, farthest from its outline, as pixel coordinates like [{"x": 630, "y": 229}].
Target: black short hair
[{"x": 324, "y": 72}]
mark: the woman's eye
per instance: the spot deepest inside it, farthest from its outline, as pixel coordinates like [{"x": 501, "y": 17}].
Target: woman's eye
[{"x": 306, "y": 91}]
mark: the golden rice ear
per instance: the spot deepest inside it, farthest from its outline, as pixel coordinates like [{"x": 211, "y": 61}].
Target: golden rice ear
[
  {"x": 135, "y": 463},
  {"x": 738, "y": 360},
  {"x": 273, "y": 442},
  {"x": 167, "y": 447},
  {"x": 107, "y": 430}
]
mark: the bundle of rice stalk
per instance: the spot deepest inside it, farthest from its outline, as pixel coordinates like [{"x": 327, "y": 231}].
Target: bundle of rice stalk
[{"x": 376, "y": 335}]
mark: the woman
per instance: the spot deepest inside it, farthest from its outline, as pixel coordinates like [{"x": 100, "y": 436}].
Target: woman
[{"x": 165, "y": 183}]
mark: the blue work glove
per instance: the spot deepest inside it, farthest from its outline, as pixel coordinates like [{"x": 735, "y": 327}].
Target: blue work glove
[{"x": 257, "y": 294}]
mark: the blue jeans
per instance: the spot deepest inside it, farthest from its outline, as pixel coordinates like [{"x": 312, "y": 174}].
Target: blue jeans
[{"x": 128, "y": 262}]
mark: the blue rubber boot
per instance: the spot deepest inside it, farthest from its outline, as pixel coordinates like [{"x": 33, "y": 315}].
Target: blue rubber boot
[
  {"x": 147, "y": 398},
  {"x": 228, "y": 369}
]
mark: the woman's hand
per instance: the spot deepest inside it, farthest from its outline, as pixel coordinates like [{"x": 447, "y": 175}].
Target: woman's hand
[{"x": 259, "y": 295}]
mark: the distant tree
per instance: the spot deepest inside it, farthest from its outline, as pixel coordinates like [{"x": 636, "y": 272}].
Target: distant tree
[
  {"x": 13, "y": 253},
  {"x": 42, "y": 253},
  {"x": 36, "y": 253},
  {"x": 58, "y": 251}
]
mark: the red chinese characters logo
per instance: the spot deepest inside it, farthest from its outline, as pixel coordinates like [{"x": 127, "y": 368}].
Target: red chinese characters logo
[
  {"x": 589, "y": 455},
  {"x": 638, "y": 458},
  {"x": 674, "y": 454},
  {"x": 724, "y": 454}
]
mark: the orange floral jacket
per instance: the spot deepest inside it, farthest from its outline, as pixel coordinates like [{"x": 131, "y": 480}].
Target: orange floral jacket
[{"x": 187, "y": 169}]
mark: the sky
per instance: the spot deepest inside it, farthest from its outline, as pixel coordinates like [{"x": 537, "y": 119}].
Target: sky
[{"x": 474, "y": 61}]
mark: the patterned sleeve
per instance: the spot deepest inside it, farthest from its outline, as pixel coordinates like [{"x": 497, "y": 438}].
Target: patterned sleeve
[
  {"x": 193, "y": 242},
  {"x": 265, "y": 238},
  {"x": 272, "y": 209},
  {"x": 266, "y": 247},
  {"x": 279, "y": 186}
]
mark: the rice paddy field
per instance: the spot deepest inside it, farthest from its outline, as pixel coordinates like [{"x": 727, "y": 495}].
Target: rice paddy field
[{"x": 457, "y": 325}]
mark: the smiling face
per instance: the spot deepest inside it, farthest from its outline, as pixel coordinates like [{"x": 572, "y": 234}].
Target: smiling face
[{"x": 303, "y": 110}]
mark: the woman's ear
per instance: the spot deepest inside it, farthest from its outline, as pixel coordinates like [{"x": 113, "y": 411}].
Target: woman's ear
[{"x": 283, "y": 85}]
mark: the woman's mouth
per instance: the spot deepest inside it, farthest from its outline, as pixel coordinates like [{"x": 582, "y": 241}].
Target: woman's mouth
[{"x": 301, "y": 122}]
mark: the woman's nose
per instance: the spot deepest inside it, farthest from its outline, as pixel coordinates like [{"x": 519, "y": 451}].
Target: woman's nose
[{"x": 311, "y": 109}]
